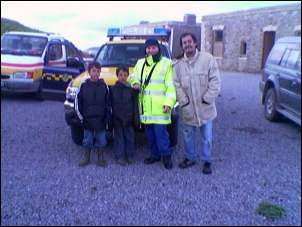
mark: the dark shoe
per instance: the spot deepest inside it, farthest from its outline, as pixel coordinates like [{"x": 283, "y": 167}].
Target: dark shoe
[
  {"x": 130, "y": 160},
  {"x": 167, "y": 161},
  {"x": 206, "y": 168},
  {"x": 186, "y": 163},
  {"x": 151, "y": 160},
  {"x": 121, "y": 161}
]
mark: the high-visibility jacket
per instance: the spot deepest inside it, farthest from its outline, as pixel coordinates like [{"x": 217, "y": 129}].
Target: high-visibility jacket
[{"x": 159, "y": 92}]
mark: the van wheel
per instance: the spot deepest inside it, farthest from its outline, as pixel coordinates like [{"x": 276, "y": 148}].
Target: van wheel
[
  {"x": 39, "y": 94},
  {"x": 270, "y": 104},
  {"x": 77, "y": 135}
]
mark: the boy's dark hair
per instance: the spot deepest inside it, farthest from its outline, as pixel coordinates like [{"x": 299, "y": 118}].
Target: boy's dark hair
[
  {"x": 122, "y": 68},
  {"x": 94, "y": 64},
  {"x": 180, "y": 41}
]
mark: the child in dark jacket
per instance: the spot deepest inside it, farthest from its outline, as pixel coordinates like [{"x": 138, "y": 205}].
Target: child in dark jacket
[
  {"x": 92, "y": 106},
  {"x": 124, "y": 102}
]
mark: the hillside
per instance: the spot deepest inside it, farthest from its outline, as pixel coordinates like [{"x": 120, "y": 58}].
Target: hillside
[{"x": 11, "y": 25}]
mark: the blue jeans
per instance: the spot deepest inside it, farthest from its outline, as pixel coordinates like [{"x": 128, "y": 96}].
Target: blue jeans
[
  {"x": 189, "y": 134},
  {"x": 158, "y": 139},
  {"x": 100, "y": 138}
]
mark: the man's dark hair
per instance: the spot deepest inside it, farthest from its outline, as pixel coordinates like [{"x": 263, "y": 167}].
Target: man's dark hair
[
  {"x": 180, "y": 41},
  {"x": 122, "y": 68},
  {"x": 94, "y": 64},
  {"x": 190, "y": 34}
]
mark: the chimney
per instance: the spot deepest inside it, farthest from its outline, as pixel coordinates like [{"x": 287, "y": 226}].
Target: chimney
[{"x": 190, "y": 19}]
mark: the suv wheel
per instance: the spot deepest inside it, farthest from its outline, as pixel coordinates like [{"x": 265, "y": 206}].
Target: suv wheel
[
  {"x": 77, "y": 135},
  {"x": 270, "y": 104}
]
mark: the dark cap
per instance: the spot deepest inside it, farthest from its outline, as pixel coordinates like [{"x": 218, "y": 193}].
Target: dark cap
[{"x": 151, "y": 42}]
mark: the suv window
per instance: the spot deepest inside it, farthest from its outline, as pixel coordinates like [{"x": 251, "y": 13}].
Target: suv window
[
  {"x": 277, "y": 53},
  {"x": 293, "y": 59},
  {"x": 127, "y": 54}
]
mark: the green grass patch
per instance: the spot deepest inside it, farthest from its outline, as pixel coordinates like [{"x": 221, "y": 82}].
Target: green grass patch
[{"x": 270, "y": 211}]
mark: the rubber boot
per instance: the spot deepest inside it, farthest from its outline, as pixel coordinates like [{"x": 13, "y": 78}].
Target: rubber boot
[
  {"x": 86, "y": 158},
  {"x": 101, "y": 160}
]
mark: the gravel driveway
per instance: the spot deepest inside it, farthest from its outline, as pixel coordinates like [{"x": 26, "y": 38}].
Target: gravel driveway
[{"x": 254, "y": 161}]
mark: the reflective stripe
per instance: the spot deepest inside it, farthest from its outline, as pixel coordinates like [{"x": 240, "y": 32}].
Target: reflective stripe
[
  {"x": 57, "y": 77},
  {"x": 169, "y": 95},
  {"x": 160, "y": 93},
  {"x": 76, "y": 102},
  {"x": 134, "y": 77},
  {"x": 155, "y": 118},
  {"x": 155, "y": 81},
  {"x": 163, "y": 67},
  {"x": 169, "y": 84}
]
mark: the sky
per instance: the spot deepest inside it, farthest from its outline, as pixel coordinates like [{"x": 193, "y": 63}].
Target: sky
[{"x": 86, "y": 23}]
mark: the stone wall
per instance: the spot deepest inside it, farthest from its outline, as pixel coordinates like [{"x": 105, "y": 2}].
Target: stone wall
[{"x": 249, "y": 26}]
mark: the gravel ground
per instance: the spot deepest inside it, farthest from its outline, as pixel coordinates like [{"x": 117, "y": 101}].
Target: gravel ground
[{"x": 254, "y": 161}]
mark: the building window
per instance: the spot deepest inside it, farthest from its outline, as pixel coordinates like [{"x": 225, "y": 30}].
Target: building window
[
  {"x": 218, "y": 43},
  {"x": 243, "y": 48},
  {"x": 218, "y": 36},
  {"x": 298, "y": 33}
]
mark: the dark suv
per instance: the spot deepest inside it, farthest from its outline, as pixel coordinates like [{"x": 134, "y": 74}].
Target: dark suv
[{"x": 281, "y": 81}]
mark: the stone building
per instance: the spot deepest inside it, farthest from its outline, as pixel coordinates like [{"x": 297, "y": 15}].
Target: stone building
[
  {"x": 242, "y": 40},
  {"x": 174, "y": 30}
]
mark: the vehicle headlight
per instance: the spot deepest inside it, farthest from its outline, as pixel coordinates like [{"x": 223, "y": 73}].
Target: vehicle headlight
[
  {"x": 23, "y": 75},
  {"x": 71, "y": 92}
]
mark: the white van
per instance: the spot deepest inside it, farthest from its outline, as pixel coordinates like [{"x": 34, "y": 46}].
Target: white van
[{"x": 38, "y": 63}]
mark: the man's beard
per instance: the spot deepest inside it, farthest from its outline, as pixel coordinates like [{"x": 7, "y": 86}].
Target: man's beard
[{"x": 190, "y": 50}]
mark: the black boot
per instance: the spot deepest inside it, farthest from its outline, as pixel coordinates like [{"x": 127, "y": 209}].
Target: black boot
[
  {"x": 86, "y": 158},
  {"x": 101, "y": 160},
  {"x": 167, "y": 161},
  {"x": 151, "y": 160}
]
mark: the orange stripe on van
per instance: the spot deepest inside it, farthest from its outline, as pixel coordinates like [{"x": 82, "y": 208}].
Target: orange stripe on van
[{"x": 22, "y": 65}]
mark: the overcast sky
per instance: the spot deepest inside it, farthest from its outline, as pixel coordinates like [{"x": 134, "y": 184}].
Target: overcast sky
[{"x": 85, "y": 23}]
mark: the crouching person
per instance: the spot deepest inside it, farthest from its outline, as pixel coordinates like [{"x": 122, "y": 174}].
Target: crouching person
[{"x": 92, "y": 107}]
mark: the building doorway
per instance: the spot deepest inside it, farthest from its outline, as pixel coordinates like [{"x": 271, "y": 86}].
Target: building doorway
[{"x": 268, "y": 43}]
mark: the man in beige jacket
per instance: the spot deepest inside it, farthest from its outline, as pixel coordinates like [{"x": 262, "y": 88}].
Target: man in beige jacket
[{"x": 197, "y": 80}]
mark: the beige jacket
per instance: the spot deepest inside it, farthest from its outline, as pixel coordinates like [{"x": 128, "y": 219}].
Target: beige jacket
[{"x": 197, "y": 80}]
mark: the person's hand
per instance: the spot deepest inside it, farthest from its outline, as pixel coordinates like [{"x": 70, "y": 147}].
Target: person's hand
[
  {"x": 136, "y": 86},
  {"x": 166, "y": 109}
]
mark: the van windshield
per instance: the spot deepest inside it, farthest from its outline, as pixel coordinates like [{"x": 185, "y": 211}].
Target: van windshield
[
  {"x": 18, "y": 44},
  {"x": 123, "y": 54}
]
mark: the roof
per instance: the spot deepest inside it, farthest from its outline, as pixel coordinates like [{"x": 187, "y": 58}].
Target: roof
[
  {"x": 50, "y": 35},
  {"x": 290, "y": 39}
]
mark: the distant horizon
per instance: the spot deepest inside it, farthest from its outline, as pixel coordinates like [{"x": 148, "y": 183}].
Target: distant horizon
[{"x": 88, "y": 28}]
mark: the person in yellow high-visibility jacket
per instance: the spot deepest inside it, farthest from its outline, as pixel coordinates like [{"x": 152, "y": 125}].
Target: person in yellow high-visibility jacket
[{"x": 153, "y": 77}]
